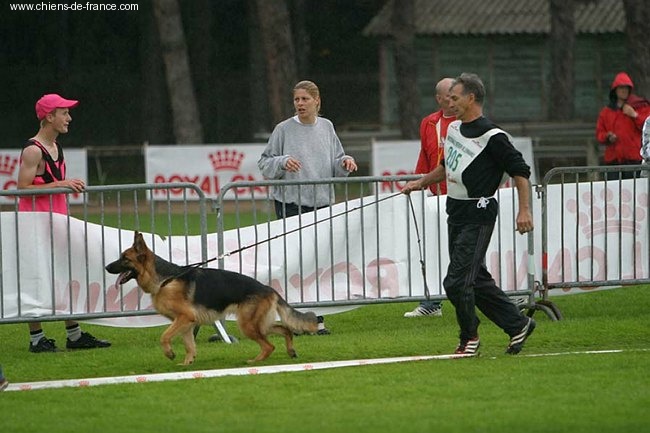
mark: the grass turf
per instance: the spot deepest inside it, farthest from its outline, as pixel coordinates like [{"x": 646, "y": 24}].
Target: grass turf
[{"x": 492, "y": 393}]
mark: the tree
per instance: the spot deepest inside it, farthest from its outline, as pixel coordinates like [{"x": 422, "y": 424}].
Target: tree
[
  {"x": 187, "y": 124},
  {"x": 637, "y": 30},
  {"x": 403, "y": 33},
  {"x": 562, "y": 41},
  {"x": 279, "y": 53},
  {"x": 259, "y": 117}
]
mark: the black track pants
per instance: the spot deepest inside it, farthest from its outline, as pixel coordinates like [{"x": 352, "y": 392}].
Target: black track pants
[{"x": 468, "y": 283}]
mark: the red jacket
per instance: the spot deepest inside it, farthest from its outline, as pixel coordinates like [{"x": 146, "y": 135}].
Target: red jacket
[
  {"x": 431, "y": 151},
  {"x": 627, "y": 147}
]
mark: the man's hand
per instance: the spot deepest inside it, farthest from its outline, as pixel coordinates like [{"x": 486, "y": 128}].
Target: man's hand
[
  {"x": 524, "y": 221},
  {"x": 414, "y": 185}
]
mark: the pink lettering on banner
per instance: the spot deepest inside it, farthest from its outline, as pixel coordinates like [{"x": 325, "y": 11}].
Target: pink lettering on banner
[
  {"x": 383, "y": 276},
  {"x": 494, "y": 261},
  {"x": 348, "y": 280},
  {"x": 70, "y": 298},
  {"x": 210, "y": 185},
  {"x": 388, "y": 186}
]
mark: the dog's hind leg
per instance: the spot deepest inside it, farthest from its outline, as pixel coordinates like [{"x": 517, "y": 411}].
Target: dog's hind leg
[
  {"x": 288, "y": 338},
  {"x": 252, "y": 330},
  {"x": 190, "y": 345}
]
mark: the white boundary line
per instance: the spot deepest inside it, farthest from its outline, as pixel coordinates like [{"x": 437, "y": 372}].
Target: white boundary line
[{"x": 252, "y": 371}]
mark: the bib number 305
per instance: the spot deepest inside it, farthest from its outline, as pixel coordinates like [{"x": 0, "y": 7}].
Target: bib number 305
[{"x": 453, "y": 158}]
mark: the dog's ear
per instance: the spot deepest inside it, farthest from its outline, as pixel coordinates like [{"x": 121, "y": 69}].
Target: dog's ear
[{"x": 138, "y": 242}]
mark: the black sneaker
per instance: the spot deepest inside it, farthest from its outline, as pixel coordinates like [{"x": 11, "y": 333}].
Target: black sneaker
[
  {"x": 43, "y": 345},
  {"x": 4, "y": 383},
  {"x": 322, "y": 330},
  {"x": 468, "y": 347},
  {"x": 517, "y": 341},
  {"x": 86, "y": 341}
]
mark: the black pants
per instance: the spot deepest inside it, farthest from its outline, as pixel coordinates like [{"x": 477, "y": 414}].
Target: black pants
[
  {"x": 285, "y": 210},
  {"x": 616, "y": 175},
  {"x": 468, "y": 283}
]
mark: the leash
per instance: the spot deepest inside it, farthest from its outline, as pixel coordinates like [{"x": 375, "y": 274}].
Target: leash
[
  {"x": 422, "y": 265},
  {"x": 188, "y": 268}
]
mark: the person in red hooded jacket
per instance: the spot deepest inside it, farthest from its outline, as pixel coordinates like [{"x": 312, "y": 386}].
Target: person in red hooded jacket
[{"x": 619, "y": 125}]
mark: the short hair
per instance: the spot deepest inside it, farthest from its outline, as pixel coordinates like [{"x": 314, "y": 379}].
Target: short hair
[{"x": 471, "y": 84}]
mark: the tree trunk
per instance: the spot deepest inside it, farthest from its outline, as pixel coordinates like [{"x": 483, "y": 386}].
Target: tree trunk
[
  {"x": 259, "y": 106},
  {"x": 280, "y": 56},
  {"x": 637, "y": 29},
  {"x": 187, "y": 124},
  {"x": 403, "y": 31},
  {"x": 201, "y": 46},
  {"x": 562, "y": 42},
  {"x": 155, "y": 114},
  {"x": 300, "y": 37}
]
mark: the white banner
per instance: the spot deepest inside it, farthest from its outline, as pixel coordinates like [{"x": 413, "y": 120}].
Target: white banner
[
  {"x": 208, "y": 166},
  {"x": 369, "y": 259},
  {"x": 75, "y": 162}
]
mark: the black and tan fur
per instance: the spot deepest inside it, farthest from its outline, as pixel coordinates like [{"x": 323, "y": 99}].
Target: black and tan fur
[{"x": 190, "y": 296}]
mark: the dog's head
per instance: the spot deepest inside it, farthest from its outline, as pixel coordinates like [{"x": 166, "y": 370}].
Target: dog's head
[{"x": 132, "y": 261}]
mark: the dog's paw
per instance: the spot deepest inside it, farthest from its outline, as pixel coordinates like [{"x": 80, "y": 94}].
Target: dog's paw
[
  {"x": 292, "y": 353},
  {"x": 170, "y": 354}
]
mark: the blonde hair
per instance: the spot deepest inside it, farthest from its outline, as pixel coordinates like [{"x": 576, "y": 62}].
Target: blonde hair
[{"x": 311, "y": 88}]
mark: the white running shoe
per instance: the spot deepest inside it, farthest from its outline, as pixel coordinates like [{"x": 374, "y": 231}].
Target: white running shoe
[{"x": 422, "y": 311}]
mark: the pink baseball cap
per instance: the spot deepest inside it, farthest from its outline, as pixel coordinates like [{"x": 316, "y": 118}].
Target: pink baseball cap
[{"x": 51, "y": 102}]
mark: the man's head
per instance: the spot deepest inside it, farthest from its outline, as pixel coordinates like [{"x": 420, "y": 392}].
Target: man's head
[
  {"x": 442, "y": 95},
  {"x": 50, "y": 102},
  {"x": 466, "y": 97}
]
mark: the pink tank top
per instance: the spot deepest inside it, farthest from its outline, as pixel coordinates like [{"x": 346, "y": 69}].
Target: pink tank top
[{"x": 54, "y": 171}]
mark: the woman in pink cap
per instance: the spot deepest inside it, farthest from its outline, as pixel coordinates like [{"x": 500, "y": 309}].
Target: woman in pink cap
[{"x": 42, "y": 166}]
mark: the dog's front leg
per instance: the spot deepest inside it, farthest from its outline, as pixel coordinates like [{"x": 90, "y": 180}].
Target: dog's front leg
[{"x": 166, "y": 341}]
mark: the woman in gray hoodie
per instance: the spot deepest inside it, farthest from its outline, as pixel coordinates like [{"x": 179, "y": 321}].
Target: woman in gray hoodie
[{"x": 304, "y": 147}]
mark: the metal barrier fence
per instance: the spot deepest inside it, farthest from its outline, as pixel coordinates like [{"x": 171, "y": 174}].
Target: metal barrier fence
[
  {"x": 52, "y": 266},
  {"x": 382, "y": 236},
  {"x": 595, "y": 227},
  {"x": 372, "y": 246}
]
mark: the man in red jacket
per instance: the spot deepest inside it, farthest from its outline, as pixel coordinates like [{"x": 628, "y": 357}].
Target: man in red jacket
[
  {"x": 433, "y": 131},
  {"x": 619, "y": 125}
]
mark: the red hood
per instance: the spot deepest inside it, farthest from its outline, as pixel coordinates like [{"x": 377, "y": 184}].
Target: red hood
[{"x": 622, "y": 79}]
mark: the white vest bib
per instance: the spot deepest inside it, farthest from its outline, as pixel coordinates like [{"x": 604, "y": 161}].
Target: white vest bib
[{"x": 460, "y": 152}]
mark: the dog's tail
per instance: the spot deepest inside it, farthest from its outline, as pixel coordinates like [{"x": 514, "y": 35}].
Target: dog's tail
[{"x": 296, "y": 320}]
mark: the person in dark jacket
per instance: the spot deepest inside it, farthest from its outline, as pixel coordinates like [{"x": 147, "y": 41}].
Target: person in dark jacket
[
  {"x": 619, "y": 125},
  {"x": 478, "y": 154}
]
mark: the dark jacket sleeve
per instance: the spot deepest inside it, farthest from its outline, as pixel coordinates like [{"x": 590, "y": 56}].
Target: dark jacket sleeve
[{"x": 511, "y": 160}]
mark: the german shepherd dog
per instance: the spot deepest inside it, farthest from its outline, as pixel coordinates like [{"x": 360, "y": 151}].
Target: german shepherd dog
[{"x": 189, "y": 295}]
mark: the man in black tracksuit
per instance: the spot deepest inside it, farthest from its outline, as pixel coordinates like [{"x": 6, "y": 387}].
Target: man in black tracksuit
[{"x": 478, "y": 158}]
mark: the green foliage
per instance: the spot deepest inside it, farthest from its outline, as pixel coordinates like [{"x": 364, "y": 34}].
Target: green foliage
[{"x": 492, "y": 393}]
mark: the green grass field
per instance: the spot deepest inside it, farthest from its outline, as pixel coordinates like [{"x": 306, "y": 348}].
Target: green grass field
[{"x": 492, "y": 393}]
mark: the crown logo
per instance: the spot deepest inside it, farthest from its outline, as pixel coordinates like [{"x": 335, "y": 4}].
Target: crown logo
[
  {"x": 612, "y": 215},
  {"x": 8, "y": 164},
  {"x": 226, "y": 159}
]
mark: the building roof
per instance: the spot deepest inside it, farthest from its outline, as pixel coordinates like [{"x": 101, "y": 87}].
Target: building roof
[{"x": 500, "y": 17}]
